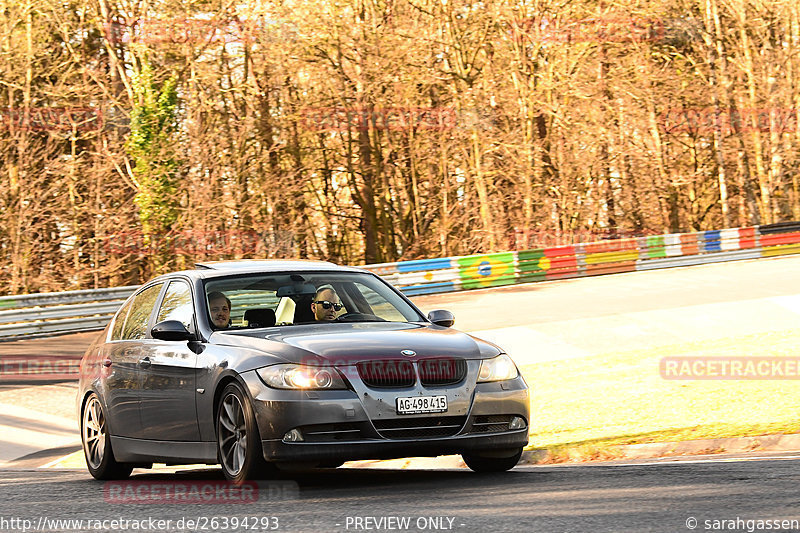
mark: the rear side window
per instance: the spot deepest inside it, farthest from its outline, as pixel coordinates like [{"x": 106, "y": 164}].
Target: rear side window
[
  {"x": 136, "y": 323},
  {"x": 177, "y": 304}
]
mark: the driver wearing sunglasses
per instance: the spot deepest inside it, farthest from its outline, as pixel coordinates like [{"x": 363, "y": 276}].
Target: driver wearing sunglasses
[{"x": 326, "y": 304}]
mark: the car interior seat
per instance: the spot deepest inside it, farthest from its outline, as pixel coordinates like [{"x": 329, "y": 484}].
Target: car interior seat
[
  {"x": 260, "y": 318},
  {"x": 302, "y": 309}
]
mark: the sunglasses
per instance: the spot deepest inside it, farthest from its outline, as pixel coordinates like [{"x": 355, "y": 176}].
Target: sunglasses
[{"x": 327, "y": 305}]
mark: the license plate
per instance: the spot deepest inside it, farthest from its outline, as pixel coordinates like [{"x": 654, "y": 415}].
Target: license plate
[{"x": 421, "y": 404}]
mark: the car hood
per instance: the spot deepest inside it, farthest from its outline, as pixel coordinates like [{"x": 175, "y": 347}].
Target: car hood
[{"x": 342, "y": 343}]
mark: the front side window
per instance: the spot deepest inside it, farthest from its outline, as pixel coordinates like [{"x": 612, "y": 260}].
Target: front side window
[
  {"x": 285, "y": 299},
  {"x": 177, "y": 304},
  {"x": 142, "y": 307},
  {"x": 119, "y": 321},
  {"x": 379, "y": 305}
]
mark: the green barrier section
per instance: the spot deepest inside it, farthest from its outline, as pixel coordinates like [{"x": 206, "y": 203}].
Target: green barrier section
[
  {"x": 531, "y": 265},
  {"x": 656, "y": 247},
  {"x": 491, "y": 270}
]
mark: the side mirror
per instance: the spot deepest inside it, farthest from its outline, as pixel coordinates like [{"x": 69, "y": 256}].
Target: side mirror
[
  {"x": 171, "y": 330},
  {"x": 442, "y": 317}
]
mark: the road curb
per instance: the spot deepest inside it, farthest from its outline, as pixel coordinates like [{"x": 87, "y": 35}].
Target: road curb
[
  {"x": 543, "y": 456},
  {"x": 42, "y": 457},
  {"x": 598, "y": 452}
]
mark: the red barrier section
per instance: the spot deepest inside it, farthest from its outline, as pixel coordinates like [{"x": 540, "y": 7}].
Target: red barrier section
[
  {"x": 689, "y": 244},
  {"x": 562, "y": 262},
  {"x": 747, "y": 237},
  {"x": 776, "y": 239}
]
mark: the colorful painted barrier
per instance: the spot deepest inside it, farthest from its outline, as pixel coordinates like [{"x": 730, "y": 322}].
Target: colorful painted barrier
[
  {"x": 652, "y": 252},
  {"x": 56, "y": 313}
]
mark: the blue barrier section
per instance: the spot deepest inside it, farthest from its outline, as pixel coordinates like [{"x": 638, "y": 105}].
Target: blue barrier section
[
  {"x": 711, "y": 241},
  {"x": 424, "y": 264},
  {"x": 429, "y": 288}
]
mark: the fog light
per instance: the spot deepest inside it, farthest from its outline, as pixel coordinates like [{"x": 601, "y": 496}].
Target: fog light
[
  {"x": 516, "y": 423},
  {"x": 293, "y": 436}
]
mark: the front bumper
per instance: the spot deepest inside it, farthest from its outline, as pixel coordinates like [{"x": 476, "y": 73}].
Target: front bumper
[
  {"x": 277, "y": 450},
  {"x": 348, "y": 425}
]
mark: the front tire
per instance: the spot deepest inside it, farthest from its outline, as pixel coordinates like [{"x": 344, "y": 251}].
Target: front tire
[
  {"x": 238, "y": 440},
  {"x": 490, "y": 463},
  {"x": 97, "y": 443}
]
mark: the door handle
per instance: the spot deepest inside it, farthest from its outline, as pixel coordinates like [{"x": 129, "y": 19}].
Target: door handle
[{"x": 144, "y": 362}]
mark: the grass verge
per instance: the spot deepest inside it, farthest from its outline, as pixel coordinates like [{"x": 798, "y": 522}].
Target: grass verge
[{"x": 584, "y": 407}]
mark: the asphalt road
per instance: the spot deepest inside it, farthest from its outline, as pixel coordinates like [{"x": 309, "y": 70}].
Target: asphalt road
[
  {"x": 583, "y": 498},
  {"x": 571, "y": 318}
]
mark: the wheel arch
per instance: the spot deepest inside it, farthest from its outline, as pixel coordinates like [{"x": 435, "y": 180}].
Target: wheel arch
[
  {"x": 223, "y": 382},
  {"x": 103, "y": 404}
]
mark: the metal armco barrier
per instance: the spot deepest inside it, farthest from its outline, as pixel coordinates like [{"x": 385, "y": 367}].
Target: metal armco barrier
[
  {"x": 65, "y": 312},
  {"x": 59, "y": 312}
]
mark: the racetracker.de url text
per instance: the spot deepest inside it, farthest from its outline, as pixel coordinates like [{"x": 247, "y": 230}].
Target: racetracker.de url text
[{"x": 195, "y": 523}]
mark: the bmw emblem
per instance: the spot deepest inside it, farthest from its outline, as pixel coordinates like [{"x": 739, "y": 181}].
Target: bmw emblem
[{"x": 408, "y": 353}]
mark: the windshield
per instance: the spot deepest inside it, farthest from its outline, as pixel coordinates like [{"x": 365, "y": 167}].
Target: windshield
[{"x": 284, "y": 299}]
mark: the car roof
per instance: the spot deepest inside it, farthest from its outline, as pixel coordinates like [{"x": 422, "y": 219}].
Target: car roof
[{"x": 213, "y": 269}]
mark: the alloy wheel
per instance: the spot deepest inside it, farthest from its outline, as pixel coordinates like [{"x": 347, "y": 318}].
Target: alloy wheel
[
  {"x": 232, "y": 434},
  {"x": 94, "y": 433}
]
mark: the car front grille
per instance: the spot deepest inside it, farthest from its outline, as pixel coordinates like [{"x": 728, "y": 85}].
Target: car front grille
[
  {"x": 442, "y": 371},
  {"x": 387, "y": 373},
  {"x": 420, "y": 428},
  {"x": 382, "y": 373},
  {"x": 490, "y": 423}
]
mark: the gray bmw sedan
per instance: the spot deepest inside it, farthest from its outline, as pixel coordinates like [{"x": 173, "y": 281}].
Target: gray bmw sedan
[{"x": 250, "y": 364}]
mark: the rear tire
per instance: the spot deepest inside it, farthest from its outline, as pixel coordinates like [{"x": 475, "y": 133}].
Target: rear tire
[
  {"x": 97, "y": 443},
  {"x": 238, "y": 441},
  {"x": 486, "y": 463}
]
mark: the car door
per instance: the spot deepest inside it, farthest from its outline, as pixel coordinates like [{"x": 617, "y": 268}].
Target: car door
[
  {"x": 168, "y": 378},
  {"x": 121, "y": 381},
  {"x": 126, "y": 348}
]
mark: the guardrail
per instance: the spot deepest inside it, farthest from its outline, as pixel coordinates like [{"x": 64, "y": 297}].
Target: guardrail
[
  {"x": 73, "y": 311},
  {"x": 53, "y": 313}
]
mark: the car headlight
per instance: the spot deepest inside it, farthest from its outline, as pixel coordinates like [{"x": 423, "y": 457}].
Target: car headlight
[
  {"x": 499, "y": 368},
  {"x": 301, "y": 377}
]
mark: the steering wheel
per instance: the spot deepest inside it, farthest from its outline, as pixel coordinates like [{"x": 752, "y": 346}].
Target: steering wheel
[{"x": 359, "y": 317}]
